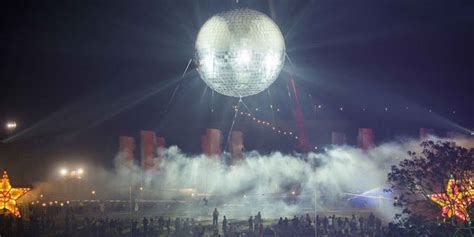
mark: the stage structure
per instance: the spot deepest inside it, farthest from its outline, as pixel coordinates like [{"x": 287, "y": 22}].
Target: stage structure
[
  {"x": 365, "y": 138},
  {"x": 148, "y": 148},
  {"x": 126, "y": 150},
  {"x": 211, "y": 142},
  {"x": 237, "y": 146}
]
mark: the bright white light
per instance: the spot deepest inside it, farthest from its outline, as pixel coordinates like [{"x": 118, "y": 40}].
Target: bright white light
[
  {"x": 239, "y": 52},
  {"x": 208, "y": 63},
  {"x": 80, "y": 171},
  {"x": 93, "y": 192},
  {"x": 63, "y": 171},
  {"x": 243, "y": 57},
  {"x": 10, "y": 125}
]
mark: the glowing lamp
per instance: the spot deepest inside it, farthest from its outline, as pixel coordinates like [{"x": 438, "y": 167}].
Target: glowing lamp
[
  {"x": 11, "y": 125},
  {"x": 63, "y": 172}
]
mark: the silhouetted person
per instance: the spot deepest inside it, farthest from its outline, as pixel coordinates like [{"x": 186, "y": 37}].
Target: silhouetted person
[
  {"x": 161, "y": 223},
  {"x": 250, "y": 223},
  {"x": 224, "y": 225},
  {"x": 177, "y": 223},
  {"x": 145, "y": 225},
  {"x": 361, "y": 223},
  {"x": 215, "y": 217},
  {"x": 168, "y": 224},
  {"x": 259, "y": 218},
  {"x": 134, "y": 228},
  {"x": 308, "y": 220}
]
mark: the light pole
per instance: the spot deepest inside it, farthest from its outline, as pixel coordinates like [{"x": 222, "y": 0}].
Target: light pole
[{"x": 315, "y": 214}]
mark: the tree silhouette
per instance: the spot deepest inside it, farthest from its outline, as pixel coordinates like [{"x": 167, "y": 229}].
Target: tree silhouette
[{"x": 443, "y": 172}]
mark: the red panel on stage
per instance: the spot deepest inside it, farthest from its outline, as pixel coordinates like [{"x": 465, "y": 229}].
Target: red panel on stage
[{"x": 366, "y": 138}]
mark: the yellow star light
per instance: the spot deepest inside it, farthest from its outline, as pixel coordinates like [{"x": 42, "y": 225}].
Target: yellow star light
[
  {"x": 9, "y": 195},
  {"x": 455, "y": 202}
]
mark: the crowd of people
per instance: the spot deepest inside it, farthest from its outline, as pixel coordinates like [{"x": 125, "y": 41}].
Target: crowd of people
[
  {"x": 71, "y": 226},
  {"x": 330, "y": 226}
]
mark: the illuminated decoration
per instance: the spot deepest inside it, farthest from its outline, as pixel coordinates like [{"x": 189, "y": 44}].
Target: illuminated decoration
[
  {"x": 240, "y": 52},
  {"x": 455, "y": 202},
  {"x": 9, "y": 195}
]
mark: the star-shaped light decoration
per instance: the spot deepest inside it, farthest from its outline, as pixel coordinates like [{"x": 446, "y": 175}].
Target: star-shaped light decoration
[
  {"x": 9, "y": 195},
  {"x": 454, "y": 202}
]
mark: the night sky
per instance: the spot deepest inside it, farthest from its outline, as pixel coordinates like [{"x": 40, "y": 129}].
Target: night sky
[{"x": 76, "y": 74}]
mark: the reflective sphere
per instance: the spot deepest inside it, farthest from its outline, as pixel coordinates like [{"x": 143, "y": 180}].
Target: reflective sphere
[{"x": 239, "y": 52}]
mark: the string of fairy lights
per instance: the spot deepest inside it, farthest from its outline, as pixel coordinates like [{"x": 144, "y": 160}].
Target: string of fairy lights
[
  {"x": 288, "y": 132},
  {"x": 264, "y": 123},
  {"x": 320, "y": 107}
]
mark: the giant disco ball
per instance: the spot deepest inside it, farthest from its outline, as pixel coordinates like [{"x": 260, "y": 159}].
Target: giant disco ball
[{"x": 239, "y": 52}]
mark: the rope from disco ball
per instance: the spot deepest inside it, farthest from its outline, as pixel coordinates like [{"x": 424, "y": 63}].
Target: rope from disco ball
[
  {"x": 212, "y": 101},
  {"x": 271, "y": 105},
  {"x": 177, "y": 86},
  {"x": 187, "y": 67},
  {"x": 203, "y": 95},
  {"x": 291, "y": 75},
  {"x": 233, "y": 122}
]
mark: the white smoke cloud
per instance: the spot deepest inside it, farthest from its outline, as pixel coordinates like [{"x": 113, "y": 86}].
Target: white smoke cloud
[{"x": 261, "y": 182}]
